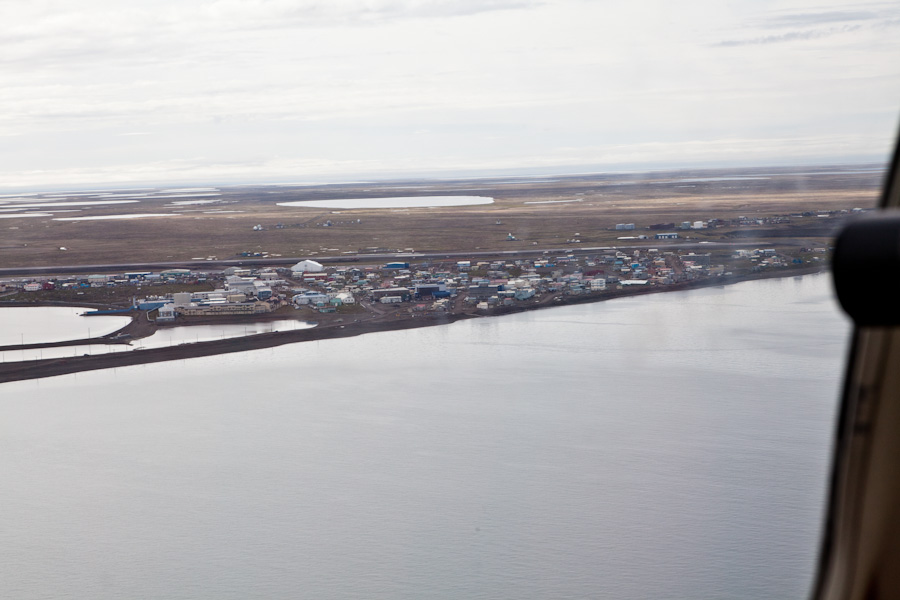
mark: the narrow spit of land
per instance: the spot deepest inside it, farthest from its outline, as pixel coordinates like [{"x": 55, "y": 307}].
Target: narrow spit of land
[{"x": 334, "y": 328}]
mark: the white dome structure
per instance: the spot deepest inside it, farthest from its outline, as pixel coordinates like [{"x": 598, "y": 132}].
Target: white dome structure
[{"x": 307, "y": 266}]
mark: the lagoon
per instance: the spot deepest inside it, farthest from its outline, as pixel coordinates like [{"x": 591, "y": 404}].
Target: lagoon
[
  {"x": 398, "y": 202},
  {"x": 46, "y": 324},
  {"x": 173, "y": 336},
  {"x": 164, "y": 336}
]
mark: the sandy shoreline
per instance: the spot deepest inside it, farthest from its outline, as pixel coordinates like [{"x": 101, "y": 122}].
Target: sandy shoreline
[{"x": 35, "y": 369}]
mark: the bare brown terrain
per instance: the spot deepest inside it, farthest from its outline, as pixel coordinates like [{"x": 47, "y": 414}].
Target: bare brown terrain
[{"x": 539, "y": 212}]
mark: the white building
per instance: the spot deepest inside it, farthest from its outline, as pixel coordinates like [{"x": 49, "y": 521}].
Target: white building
[
  {"x": 98, "y": 280},
  {"x": 310, "y": 297},
  {"x": 166, "y": 313},
  {"x": 181, "y": 299},
  {"x": 307, "y": 266},
  {"x": 240, "y": 284}
]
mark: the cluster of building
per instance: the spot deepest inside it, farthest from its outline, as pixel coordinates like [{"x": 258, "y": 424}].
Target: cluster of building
[
  {"x": 740, "y": 221},
  {"x": 486, "y": 284},
  {"x": 65, "y": 282},
  {"x": 243, "y": 292},
  {"x": 444, "y": 286}
]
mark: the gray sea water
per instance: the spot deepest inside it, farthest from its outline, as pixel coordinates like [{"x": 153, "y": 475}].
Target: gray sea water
[{"x": 673, "y": 446}]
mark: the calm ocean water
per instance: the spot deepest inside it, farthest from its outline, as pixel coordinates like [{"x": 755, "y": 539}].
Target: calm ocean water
[{"x": 669, "y": 446}]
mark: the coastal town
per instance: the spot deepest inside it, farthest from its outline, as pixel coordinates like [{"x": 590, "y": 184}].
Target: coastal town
[
  {"x": 263, "y": 274},
  {"x": 312, "y": 290}
]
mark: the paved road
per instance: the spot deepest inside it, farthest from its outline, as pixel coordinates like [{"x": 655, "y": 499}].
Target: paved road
[{"x": 213, "y": 265}]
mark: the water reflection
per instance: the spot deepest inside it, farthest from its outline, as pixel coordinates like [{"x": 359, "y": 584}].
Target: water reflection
[
  {"x": 664, "y": 446},
  {"x": 202, "y": 333},
  {"x": 170, "y": 336},
  {"x": 47, "y": 324}
]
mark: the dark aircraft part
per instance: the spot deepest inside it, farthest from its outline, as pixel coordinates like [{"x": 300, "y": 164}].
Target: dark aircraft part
[
  {"x": 860, "y": 558},
  {"x": 866, "y": 263}
]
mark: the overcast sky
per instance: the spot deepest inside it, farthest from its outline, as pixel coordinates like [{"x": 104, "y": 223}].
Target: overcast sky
[{"x": 111, "y": 92}]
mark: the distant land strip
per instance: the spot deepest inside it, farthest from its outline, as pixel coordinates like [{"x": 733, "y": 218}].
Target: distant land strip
[{"x": 363, "y": 258}]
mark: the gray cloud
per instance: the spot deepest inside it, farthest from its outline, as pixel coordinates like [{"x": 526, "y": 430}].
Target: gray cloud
[
  {"x": 819, "y": 18},
  {"x": 814, "y": 25},
  {"x": 248, "y": 89},
  {"x": 791, "y": 36},
  {"x": 52, "y": 35}
]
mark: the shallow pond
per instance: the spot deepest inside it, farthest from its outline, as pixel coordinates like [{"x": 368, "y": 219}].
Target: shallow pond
[{"x": 398, "y": 202}]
